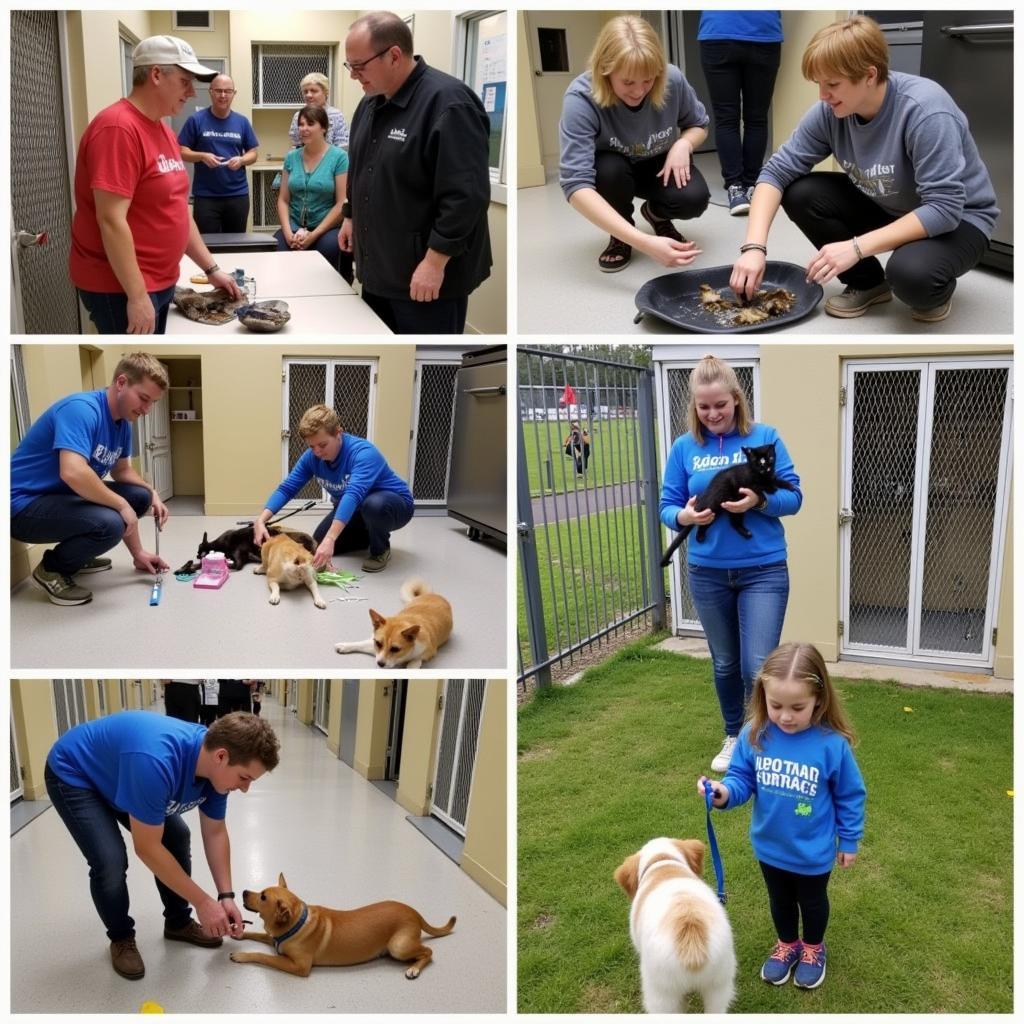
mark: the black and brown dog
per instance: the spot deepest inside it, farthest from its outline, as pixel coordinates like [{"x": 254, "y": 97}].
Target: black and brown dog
[{"x": 239, "y": 547}]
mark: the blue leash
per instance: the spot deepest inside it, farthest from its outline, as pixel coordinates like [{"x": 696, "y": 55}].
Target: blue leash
[{"x": 716, "y": 857}]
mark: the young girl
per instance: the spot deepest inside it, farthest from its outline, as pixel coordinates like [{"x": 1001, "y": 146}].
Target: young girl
[{"x": 794, "y": 756}]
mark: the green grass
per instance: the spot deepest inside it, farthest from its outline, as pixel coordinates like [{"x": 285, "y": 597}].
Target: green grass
[
  {"x": 613, "y": 448},
  {"x": 922, "y": 922}
]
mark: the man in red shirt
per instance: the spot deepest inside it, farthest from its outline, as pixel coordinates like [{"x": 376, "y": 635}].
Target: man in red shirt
[{"x": 132, "y": 219}]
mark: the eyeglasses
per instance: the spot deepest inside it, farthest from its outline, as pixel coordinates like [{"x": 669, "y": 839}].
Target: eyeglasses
[
  {"x": 223, "y": 92},
  {"x": 360, "y": 64}
]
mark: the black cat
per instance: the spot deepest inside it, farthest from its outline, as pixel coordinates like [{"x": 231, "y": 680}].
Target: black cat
[{"x": 756, "y": 474}]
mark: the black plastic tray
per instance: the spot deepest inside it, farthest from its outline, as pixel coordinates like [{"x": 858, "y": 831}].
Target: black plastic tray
[{"x": 675, "y": 298}]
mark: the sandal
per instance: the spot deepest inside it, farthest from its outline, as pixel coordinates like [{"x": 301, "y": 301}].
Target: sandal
[
  {"x": 662, "y": 228},
  {"x": 615, "y": 257}
]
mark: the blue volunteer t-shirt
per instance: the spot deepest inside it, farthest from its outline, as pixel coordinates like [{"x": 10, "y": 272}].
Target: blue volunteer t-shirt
[
  {"x": 141, "y": 763},
  {"x": 80, "y": 423},
  {"x": 226, "y": 137},
  {"x": 748, "y": 26},
  {"x": 359, "y": 469}
]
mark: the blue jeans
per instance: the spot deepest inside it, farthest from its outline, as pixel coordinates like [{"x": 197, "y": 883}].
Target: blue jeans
[
  {"x": 93, "y": 824},
  {"x": 371, "y": 525},
  {"x": 741, "y": 611},
  {"x": 83, "y": 528},
  {"x": 109, "y": 310}
]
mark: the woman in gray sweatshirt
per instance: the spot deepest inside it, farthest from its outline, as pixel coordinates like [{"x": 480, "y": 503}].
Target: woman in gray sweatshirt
[
  {"x": 629, "y": 127},
  {"x": 912, "y": 185}
]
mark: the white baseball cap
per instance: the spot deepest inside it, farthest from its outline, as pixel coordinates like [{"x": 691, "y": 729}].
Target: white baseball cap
[{"x": 170, "y": 50}]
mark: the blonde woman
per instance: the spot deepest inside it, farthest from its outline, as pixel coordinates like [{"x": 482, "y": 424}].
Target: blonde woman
[
  {"x": 912, "y": 184},
  {"x": 315, "y": 89},
  {"x": 629, "y": 127}
]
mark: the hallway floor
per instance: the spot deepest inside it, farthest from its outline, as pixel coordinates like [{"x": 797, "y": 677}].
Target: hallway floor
[{"x": 340, "y": 843}]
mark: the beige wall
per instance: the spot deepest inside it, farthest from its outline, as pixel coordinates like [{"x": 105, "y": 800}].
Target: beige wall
[
  {"x": 419, "y": 741},
  {"x": 35, "y": 729},
  {"x": 371, "y": 728},
  {"x": 530, "y": 164}
]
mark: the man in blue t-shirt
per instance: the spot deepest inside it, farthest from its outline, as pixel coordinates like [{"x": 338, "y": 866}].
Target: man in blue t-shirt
[
  {"x": 142, "y": 771},
  {"x": 370, "y": 499},
  {"x": 221, "y": 144},
  {"x": 58, "y": 491}
]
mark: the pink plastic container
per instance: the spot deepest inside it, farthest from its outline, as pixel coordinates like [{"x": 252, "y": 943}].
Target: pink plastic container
[{"x": 213, "y": 573}]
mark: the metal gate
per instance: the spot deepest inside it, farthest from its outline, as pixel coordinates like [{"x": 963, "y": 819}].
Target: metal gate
[
  {"x": 925, "y": 499},
  {"x": 431, "y": 435},
  {"x": 43, "y": 300},
  {"x": 396, "y": 730},
  {"x": 588, "y": 534},
  {"x": 17, "y": 787},
  {"x": 674, "y": 400},
  {"x": 321, "y": 703},
  {"x": 461, "y": 707},
  {"x": 346, "y": 385},
  {"x": 68, "y": 703}
]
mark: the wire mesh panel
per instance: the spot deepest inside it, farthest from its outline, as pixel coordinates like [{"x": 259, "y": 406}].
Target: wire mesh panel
[
  {"x": 883, "y": 464},
  {"x": 278, "y": 69},
  {"x": 307, "y": 385},
  {"x": 264, "y": 202},
  {"x": 456, "y": 752},
  {"x": 40, "y": 189},
  {"x": 433, "y": 431},
  {"x": 678, "y": 384},
  {"x": 963, "y": 474},
  {"x": 69, "y": 703},
  {"x": 351, "y": 397}
]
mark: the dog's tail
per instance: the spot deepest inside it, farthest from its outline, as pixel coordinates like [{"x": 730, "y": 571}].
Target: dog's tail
[
  {"x": 443, "y": 930},
  {"x": 413, "y": 588},
  {"x": 691, "y": 937}
]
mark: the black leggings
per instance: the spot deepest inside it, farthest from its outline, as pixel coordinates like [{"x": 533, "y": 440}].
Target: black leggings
[
  {"x": 827, "y": 207},
  {"x": 792, "y": 896},
  {"x": 620, "y": 180}
]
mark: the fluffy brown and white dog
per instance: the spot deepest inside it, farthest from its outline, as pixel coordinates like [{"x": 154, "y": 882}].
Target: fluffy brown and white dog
[
  {"x": 679, "y": 929},
  {"x": 287, "y": 564}
]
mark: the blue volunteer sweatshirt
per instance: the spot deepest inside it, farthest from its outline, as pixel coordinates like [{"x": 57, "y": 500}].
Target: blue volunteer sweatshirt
[
  {"x": 808, "y": 796},
  {"x": 690, "y": 469}
]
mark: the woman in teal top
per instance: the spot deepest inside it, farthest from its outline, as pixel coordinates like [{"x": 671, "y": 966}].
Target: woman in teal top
[{"x": 313, "y": 184}]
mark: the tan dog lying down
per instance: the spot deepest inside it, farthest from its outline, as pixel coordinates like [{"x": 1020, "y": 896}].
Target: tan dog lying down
[
  {"x": 307, "y": 936},
  {"x": 287, "y": 564}
]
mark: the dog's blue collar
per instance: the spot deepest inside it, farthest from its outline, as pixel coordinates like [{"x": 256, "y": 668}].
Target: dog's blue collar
[{"x": 294, "y": 928}]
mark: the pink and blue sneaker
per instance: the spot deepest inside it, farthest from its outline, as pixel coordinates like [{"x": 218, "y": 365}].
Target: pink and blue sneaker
[
  {"x": 779, "y": 966},
  {"x": 810, "y": 972}
]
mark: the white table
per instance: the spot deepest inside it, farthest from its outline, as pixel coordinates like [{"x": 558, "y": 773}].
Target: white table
[{"x": 319, "y": 299}]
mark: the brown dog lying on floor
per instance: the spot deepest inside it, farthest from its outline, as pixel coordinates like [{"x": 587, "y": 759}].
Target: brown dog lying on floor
[
  {"x": 286, "y": 563},
  {"x": 306, "y": 936}
]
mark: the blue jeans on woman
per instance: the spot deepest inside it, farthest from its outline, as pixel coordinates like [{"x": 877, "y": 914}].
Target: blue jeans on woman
[
  {"x": 93, "y": 824},
  {"x": 741, "y": 611},
  {"x": 109, "y": 310},
  {"x": 84, "y": 528},
  {"x": 371, "y": 525}
]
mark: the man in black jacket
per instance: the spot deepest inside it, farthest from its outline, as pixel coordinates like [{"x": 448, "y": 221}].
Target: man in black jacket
[{"x": 418, "y": 183}]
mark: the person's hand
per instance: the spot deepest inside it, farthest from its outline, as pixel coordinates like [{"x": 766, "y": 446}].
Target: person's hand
[
  {"x": 211, "y": 159},
  {"x": 719, "y": 794},
  {"x": 747, "y": 273},
  {"x": 235, "y": 924},
  {"x": 689, "y": 516},
  {"x": 845, "y": 860},
  {"x": 234, "y": 163},
  {"x": 668, "y": 252},
  {"x": 750, "y": 500},
  {"x": 345, "y": 235},
  {"x": 131, "y": 520},
  {"x": 830, "y": 260},
  {"x": 160, "y": 512},
  {"x": 323, "y": 555},
  {"x": 222, "y": 279},
  {"x": 213, "y": 918},
  {"x": 260, "y": 533},
  {"x": 425, "y": 285},
  {"x": 141, "y": 315},
  {"x": 146, "y": 561},
  {"x": 677, "y": 166},
  {"x": 305, "y": 239}
]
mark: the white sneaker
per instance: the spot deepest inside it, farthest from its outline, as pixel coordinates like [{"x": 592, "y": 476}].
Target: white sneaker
[{"x": 724, "y": 756}]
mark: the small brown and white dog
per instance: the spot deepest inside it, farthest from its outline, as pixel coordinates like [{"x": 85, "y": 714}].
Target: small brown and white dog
[
  {"x": 287, "y": 564},
  {"x": 411, "y": 636},
  {"x": 679, "y": 929}
]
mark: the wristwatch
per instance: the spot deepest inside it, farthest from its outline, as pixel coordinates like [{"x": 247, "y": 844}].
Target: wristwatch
[
  {"x": 211, "y": 269},
  {"x": 225, "y": 896}
]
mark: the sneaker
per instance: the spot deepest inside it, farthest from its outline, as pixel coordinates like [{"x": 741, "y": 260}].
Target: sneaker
[
  {"x": 739, "y": 200},
  {"x": 95, "y": 565},
  {"x": 192, "y": 933},
  {"x": 60, "y": 589},
  {"x": 124, "y": 955},
  {"x": 616, "y": 256},
  {"x": 933, "y": 316},
  {"x": 855, "y": 303},
  {"x": 810, "y": 972},
  {"x": 779, "y": 966},
  {"x": 721, "y": 760},
  {"x": 662, "y": 228},
  {"x": 374, "y": 563}
]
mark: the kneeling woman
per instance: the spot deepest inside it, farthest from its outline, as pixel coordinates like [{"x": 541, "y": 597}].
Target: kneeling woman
[
  {"x": 629, "y": 128},
  {"x": 913, "y": 182}
]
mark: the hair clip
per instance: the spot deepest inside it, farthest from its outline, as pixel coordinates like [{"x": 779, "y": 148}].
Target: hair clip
[{"x": 817, "y": 680}]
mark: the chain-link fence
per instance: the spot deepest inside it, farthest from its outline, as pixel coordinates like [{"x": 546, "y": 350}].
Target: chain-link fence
[
  {"x": 277, "y": 70},
  {"x": 435, "y": 409},
  {"x": 264, "y": 201},
  {"x": 462, "y": 704},
  {"x": 587, "y": 500}
]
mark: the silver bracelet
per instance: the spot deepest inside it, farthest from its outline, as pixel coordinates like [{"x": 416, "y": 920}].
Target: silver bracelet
[{"x": 856, "y": 248}]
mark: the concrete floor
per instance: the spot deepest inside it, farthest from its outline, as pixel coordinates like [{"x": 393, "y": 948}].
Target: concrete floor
[
  {"x": 339, "y": 841},
  {"x": 561, "y": 290},
  {"x": 236, "y": 627}
]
